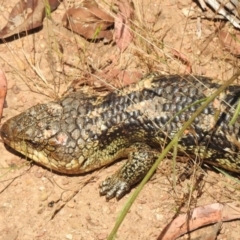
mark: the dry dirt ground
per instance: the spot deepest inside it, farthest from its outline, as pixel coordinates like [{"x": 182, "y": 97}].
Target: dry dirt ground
[{"x": 38, "y": 204}]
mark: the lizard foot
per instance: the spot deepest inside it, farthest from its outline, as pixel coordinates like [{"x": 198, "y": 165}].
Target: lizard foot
[{"x": 114, "y": 187}]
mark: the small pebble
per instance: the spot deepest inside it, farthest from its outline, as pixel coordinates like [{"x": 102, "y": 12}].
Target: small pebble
[
  {"x": 102, "y": 236},
  {"x": 65, "y": 181},
  {"x": 41, "y": 188},
  {"x": 43, "y": 196},
  {"x": 71, "y": 204},
  {"x": 69, "y": 236}
]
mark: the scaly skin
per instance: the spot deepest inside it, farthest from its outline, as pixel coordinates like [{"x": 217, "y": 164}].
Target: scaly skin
[{"x": 80, "y": 133}]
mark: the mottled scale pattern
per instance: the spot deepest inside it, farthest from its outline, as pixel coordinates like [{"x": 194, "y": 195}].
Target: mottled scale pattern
[{"x": 80, "y": 133}]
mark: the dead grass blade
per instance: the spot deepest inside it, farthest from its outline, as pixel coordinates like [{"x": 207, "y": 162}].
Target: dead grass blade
[
  {"x": 3, "y": 91},
  {"x": 230, "y": 42}
]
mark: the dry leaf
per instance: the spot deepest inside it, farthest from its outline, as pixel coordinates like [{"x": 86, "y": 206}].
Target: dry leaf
[
  {"x": 230, "y": 41},
  {"x": 89, "y": 21},
  {"x": 3, "y": 91},
  {"x": 123, "y": 34},
  {"x": 199, "y": 217},
  {"x": 26, "y": 15}
]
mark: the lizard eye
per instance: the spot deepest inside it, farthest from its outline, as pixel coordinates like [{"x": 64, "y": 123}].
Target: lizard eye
[{"x": 32, "y": 143}]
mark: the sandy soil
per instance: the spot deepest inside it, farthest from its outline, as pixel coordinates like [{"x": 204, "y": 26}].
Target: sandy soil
[{"x": 38, "y": 204}]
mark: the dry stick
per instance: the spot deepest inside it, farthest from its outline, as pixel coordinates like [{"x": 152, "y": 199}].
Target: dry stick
[{"x": 165, "y": 152}]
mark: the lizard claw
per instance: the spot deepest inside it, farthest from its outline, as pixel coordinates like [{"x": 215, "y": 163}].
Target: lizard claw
[{"x": 114, "y": 187}]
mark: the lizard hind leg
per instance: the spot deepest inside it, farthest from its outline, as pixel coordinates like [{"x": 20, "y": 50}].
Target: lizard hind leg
[{"x": 140, "y": 160}]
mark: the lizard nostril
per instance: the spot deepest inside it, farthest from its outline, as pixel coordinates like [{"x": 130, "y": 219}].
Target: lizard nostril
[{"x": 5, "y": 132}]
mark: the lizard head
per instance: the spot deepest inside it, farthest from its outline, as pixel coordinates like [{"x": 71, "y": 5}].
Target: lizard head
[{"x": 41, "y": 134}]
